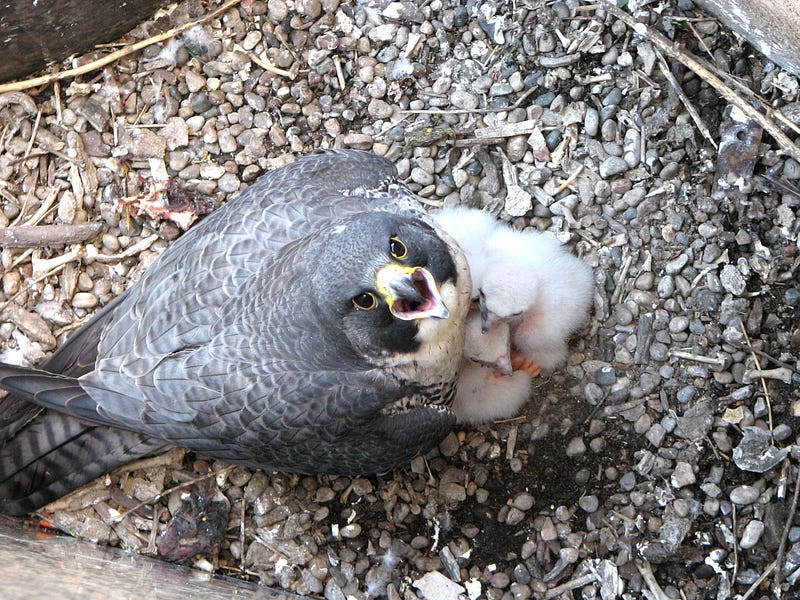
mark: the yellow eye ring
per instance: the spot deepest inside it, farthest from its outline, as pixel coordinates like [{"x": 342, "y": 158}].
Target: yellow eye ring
[
  {"x": 365, "y": 301},
  {"x": 397, "y": 248}
]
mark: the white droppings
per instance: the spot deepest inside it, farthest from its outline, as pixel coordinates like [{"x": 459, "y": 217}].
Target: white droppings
[{"x": 402, "y": 68}]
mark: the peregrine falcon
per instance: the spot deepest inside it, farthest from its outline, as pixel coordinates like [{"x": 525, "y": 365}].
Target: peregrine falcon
[{"x": 314, "y": 324}]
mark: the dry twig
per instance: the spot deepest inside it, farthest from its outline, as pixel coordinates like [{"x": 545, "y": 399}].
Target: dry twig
[
  {"x": 735, "y": 544},
  {"x": 785, "y": 534},
  {"x": 571, "y": 585},
  {"x": 664, "y": 68},
  {"x": 757, "y": 583},
  {"x": 568, "y": 181},
  {"x": 646, "y": 571},
  {"x": 34, "y": 131},
  {"x": 763, "y": 380},
  {"x": 471, "y": 111},
  {"x": 38, "y": 236}
]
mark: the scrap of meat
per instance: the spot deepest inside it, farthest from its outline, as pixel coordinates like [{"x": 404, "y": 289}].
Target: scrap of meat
[{"x": 169, "y": 200}]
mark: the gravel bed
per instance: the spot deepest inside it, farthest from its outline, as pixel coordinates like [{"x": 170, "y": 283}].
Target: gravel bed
[{"x": 658, "y": 463}]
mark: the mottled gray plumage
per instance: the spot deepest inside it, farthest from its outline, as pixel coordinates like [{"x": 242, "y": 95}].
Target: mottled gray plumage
[{"x": 243, "y": 342}]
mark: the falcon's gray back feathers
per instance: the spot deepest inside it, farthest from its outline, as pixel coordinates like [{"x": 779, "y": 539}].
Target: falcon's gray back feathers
[{"x": 301, "y": 328}]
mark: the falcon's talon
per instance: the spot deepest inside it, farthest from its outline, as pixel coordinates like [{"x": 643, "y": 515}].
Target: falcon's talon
[{"x": 519, "y": 362}]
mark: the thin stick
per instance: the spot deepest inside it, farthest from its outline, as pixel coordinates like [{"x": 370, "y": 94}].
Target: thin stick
[
  {"x": 735, "y": 544},
  {"x": 37, "y": 236},
  {"x": 664, "y": 68},
  {"x": 471, "y": 111},
  {"x": 268, "y": 66},
  {"x": 785, "y": 534},
  {"x": 646, "y": 571},
  {"x": 700, "y": 40},
  {"x": 769, "y": 357},
  {"x": 34, "y": 131},
  {"x": 763, "y": 381},
  {"x": 674, "y": 51},
  {"x": 623, "y": 275},
  {"x": 57, "y": 96},
  {"x": 571, "y": 585},
  {"x": 337, "y": 62},
  {"x": 114, "y": 56},
  {"x": 757, "y": 583},
  {"x": 568, "y": 181},
  {"x": 50, "y": 522}
]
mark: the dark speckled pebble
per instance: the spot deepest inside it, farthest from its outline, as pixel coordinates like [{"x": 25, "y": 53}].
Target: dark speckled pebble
[{"x": 460, "y": 16}]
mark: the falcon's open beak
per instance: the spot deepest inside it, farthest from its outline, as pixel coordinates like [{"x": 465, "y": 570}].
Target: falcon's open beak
[{"x": 410, "y": 292}]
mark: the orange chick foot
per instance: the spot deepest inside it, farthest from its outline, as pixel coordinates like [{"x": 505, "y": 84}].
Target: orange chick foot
[{"x": 519, "y": 362}]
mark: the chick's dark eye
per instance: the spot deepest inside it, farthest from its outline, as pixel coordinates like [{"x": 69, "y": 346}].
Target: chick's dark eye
[
  {"x": 365, "y": 301},
  {"x": 397, "y": 248}
]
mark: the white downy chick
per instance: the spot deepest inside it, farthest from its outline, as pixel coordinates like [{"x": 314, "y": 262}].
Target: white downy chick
[
  {"x": 471, "y": 228},
  {"x": 489, "y": 348},
  {"x": 537, "y": 285},
  {"x": 487, "y": 388},
  {"x": 482, "y": 395}
]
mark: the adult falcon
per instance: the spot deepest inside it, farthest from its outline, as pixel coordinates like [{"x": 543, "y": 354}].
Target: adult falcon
[{"x": 314, "y": 324}]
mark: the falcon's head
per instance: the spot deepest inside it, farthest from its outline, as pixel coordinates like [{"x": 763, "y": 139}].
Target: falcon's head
[{"x": 398, "y": 290}]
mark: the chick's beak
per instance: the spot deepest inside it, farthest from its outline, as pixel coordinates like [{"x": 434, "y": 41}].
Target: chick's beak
[
  {"x": 410, "y": 292},
  {"x": 488, "y": 318}
]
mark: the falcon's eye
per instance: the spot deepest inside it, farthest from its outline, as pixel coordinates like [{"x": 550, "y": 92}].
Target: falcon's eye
[
  {"x": 365, "y": 301},
  {"x": 397, "y": 248}
]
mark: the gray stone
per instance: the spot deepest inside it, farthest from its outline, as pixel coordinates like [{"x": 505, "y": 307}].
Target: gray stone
[
  {"x": 732, "y": 280},
  {"x": 523, "y": 501},
  {"x": 751, "y": 534},
  {"x": 576, "y": 447},
  {"x": 756, "y": 453},
  {"x": 589, "y": 503},
  {"x": 378, "y": 109},
  {"x": 744, "y": 494},
  {"x": 611, "y": 166},
  {"x": 421, "y": 176},
  {"x": 435, "y": 586},
  {"x": 463, "y": 99},
  {"x": 175, "y": 133},
  {"x": 683, "y": 475},
  {"x": 655, "y": 435},
  {"x": 696, "y": 422}
]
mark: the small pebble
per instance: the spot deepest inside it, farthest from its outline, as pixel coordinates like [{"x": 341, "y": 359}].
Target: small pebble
[
  {"x": 744, "y": 494},
  {"x": 589, "y": 504},
  {"x": 84, "y": 300},
  {"x": 682, "y": 475},
  {"x": 612, "y": 166},
  {"x": 751, "y": 534}
]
